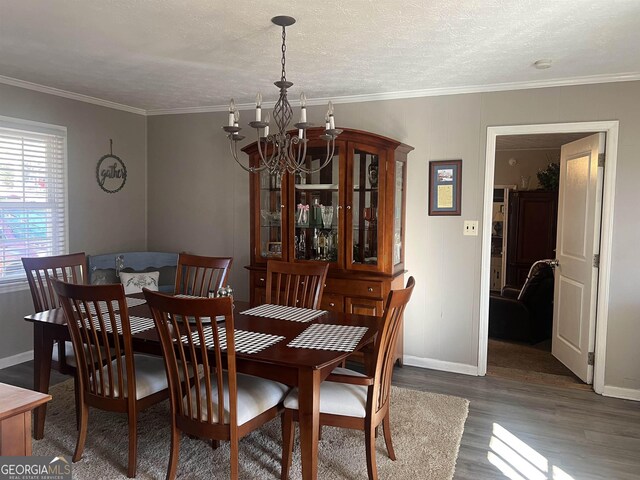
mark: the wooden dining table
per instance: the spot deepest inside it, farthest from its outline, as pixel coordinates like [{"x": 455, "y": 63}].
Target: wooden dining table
[{"x": 304, "y": 368}]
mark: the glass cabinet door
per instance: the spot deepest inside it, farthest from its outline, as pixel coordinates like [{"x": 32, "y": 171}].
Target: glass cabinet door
[
  {"x": 398, "y": 210},
  {"x": 366, "y": 206},
  {"x": 270, "y": 215},
  {"x": 315, "y": 209}
]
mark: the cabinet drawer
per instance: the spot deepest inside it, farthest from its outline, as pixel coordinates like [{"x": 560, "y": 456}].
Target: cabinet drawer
[
  {"x": 332, "y": 302},
  {"x": 355, "y": 288},
  {"x": 364, "y": 306}
]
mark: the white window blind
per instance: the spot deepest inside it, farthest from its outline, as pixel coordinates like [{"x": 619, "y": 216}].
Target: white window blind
[{"x": 32, "y": 195}]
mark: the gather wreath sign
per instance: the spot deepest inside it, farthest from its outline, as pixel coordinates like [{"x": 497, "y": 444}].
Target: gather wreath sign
[{"x": 111, "y": 173}]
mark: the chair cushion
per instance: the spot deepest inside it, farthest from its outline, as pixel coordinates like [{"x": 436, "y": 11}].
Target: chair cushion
[
  {"x": 69, "y": 356},
  {"x": 139, "y": 262},
  {"x": 166, "y": 280},
  {"x": 337, "y": 398},
  {"x": 151, "y": 376},
  {"x": 255, "y": 396}
]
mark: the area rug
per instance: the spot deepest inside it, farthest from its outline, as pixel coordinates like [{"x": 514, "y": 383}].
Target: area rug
[{"x": 426, "y": 429}]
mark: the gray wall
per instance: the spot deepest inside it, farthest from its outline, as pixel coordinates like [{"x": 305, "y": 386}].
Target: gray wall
[
  {"x": 98, "y": 222},
  {"x": 194, "y": 185},
  {"x": 198, "y": 197}
]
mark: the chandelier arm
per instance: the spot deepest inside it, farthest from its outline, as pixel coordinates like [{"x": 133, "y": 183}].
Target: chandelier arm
[
  {"x": 292, "y": 162},
  {"x": 233, "y": 146},
  {"x": 302, "y": 155},
  {"x": 263, "y": 159},
  {"x": 274, "y": 161}
]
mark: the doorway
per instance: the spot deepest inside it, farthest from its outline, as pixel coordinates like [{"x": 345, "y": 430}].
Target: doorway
[
  {"x": 523, "y": 234},
  {"x": 488, "y": 244}
]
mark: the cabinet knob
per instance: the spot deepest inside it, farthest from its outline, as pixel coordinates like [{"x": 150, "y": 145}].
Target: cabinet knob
[
  {"x": 282, "y": 206},
  {"x": 348, "y": 207},
  {"x": 262, "y": 279},
  {"x": 325, "y": 285},
  {"x": 370, "y": 289},
  {"x": 339, "y": 207},
  {"x": 332, "y": 304}
]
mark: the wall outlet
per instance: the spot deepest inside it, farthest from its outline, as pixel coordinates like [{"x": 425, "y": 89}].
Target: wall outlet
[{"x": 471, "y": 228}]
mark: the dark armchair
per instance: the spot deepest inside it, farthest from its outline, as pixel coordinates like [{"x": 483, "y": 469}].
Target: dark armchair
[{"x": 525, "y": 315}]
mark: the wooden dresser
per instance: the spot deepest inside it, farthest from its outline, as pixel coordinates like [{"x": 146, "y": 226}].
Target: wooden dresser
[{"x": 16, "y": 405}]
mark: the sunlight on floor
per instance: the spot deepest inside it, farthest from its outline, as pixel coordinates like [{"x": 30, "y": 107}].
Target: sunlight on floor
[{"x": 518, "y": 461}]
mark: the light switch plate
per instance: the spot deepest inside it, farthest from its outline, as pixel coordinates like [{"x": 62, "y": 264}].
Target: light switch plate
[{"x": 471, "y": 228}]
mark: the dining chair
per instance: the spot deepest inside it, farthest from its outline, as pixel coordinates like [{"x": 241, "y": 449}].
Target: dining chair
[
  {"x": 349, "y": 399},
  {"x": 295, "y": 284},
  {"x": 127, "y": 384},
  {"x": 39, "y": 270},
  {"x": 219, "y": 403},
  {"x": 197, "y": 275}
]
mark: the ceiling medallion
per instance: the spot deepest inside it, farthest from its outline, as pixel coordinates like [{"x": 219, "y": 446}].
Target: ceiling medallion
[{"x": 287, "y": 152}]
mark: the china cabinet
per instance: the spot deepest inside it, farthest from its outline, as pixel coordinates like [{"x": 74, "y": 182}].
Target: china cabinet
[{"x": 351, "y": 213}]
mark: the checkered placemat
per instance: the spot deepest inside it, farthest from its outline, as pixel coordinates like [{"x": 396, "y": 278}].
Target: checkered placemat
[
  {"x": 245, "y": 341},
  {"x": 219, "y": 318},
  {"x": 134, "y": 302},
  {"x": 138, "y": 324},
  {"x": 323, "y": 336},
  {"x": 131, "y": 302},
  {"x": 279, "y": 312}
]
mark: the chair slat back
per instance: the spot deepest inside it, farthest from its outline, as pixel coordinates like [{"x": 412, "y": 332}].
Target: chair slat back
[
  {"x": 295, "y": 284},
  {"x": 385, "y": 345},
  {"x": 197, "y": 275},
  {"x": 68, "y": 268},
  {"x": 183, "y": 335},
  {"x": 95, "y": 315}
]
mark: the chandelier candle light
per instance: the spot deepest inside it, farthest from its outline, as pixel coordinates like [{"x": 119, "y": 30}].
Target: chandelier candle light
[{"x": 288, "y": 152}]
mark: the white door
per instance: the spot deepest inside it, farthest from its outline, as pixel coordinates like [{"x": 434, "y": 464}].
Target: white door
[{"x": 578, "y": 241}]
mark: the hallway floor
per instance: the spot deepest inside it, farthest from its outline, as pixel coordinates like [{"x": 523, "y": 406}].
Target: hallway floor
[{"x": 529, "y": 363}]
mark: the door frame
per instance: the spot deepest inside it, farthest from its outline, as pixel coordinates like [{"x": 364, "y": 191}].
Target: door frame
[{"x": 606, "y": 231}]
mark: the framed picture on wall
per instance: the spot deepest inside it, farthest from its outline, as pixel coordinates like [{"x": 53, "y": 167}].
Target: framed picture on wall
[{"x": 445, "y": 192}]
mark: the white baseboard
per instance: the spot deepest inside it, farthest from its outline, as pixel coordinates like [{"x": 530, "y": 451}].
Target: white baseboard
[
  {"x": 16, "y": 359},
  {"x": 619, "y": 392},
  {"x": 440, "y": 365}
]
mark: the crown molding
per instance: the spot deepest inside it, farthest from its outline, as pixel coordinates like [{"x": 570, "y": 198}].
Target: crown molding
[
  {"x": 71, "y": 95},
  {"x": 427, "y": 92},
  {"x": 373, "y": 97}
]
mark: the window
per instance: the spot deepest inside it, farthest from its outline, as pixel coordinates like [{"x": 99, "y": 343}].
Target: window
[{"x": 33, "y": 213}]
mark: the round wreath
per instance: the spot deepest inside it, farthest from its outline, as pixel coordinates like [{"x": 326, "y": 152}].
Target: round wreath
[{"x": 124, "y": 177}]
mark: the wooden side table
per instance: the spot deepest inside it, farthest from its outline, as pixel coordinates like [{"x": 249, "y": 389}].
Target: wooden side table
[{"x": 15, "y": 418}]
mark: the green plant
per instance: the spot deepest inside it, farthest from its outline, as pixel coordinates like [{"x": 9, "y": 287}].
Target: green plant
[{"x": 549, "y": 178}]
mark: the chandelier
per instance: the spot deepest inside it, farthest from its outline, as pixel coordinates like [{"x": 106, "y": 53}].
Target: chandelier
[{"x": 281, "y": 152}]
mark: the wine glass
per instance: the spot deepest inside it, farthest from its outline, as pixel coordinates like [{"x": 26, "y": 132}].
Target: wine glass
[{"x": 327, "y": 216}]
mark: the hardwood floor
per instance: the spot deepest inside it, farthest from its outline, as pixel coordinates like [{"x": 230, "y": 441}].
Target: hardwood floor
[
  {"x": 585, "y": 435},
  {"x": 538, "y": 431}
]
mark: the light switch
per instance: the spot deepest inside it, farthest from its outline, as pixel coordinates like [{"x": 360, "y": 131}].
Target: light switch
[{"x": 471, "y": 227}]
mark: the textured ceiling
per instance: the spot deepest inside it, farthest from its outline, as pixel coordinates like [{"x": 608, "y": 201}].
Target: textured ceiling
[
  {"x": 539, "y": 141},
  {"x": 163, "y": 54}
]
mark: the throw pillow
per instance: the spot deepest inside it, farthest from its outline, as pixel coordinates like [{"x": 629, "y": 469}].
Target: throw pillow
[
  {"x": 135, "y": 282},
  {"x": 104, "y": 276}
]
